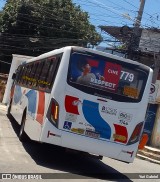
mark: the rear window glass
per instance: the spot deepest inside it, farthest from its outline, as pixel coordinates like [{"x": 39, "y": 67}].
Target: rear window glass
[{"x": 106, "y": 74}]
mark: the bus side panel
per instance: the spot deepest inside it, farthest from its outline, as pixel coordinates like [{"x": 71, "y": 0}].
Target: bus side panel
[
  {"x": 19, "y": 103},
  {"x": 50, "y": 134},
  {"x": 36, "y": 113},
  {"x": 35, "y": 103}
]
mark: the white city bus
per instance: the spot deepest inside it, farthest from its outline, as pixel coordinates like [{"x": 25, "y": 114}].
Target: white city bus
[{"x": 82, "y": 99}]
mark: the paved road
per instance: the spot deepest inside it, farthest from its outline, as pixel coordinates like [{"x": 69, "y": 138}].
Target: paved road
[{"x": 33, "y": 157}]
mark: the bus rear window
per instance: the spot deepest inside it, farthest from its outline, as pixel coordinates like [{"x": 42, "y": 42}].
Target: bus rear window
[{"x": 106, "y": 76}]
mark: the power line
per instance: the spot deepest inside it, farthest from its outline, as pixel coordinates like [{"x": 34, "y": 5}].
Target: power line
[
  {"x": 56, "y": 17},
  {"x": 61, "y": 20},
  {"x": 135, "y": 7},
  {"x": 151, "y": 16},
  {"x": 111, "y": 9},
  {"x": 4, "y": 62},
  {"x": 42, "y": 8},
  {"x": 131, "y": 19},
  {"x": 117, "y": 5},
  {"x": 67, "y": 23}
]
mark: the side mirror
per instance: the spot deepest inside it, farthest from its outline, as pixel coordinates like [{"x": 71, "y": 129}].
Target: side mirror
[{"x": 14, "y": 76}]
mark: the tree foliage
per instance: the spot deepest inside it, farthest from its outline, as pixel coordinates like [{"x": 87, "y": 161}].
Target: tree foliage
[{"x": 43, "y": 25}]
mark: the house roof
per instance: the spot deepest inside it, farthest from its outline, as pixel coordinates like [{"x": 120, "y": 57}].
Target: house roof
[{"x": 123, "y": 34}]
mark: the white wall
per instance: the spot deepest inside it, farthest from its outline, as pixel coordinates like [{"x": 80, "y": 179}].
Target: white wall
[
  {"x": 155, "y": 139},
  {"x": 150, "y": 41},
  {"x": 16, "y": 61}
]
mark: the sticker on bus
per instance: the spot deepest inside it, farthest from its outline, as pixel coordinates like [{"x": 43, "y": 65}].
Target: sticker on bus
[
  {"x": 131, "y": 92},
  {"x": 78, "y": 130},
  {"x": 119, "y": 137},
  {"x": 71, "y": 117},
  {"x": 67, "y": 125},
  {"x": 92, "y": 134},
  {"x": 125, "y": 116},
  {"x": 109, "y": 110}
]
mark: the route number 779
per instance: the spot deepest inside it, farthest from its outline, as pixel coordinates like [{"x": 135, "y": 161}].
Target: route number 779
[{"x": 127, "y": 76}]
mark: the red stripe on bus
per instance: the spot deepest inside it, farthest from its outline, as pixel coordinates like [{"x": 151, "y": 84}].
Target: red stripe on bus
[
  {"x": 12, "y": 92},
  {"x": 71, "y": 104},
  {"x": 121, "y": 132},
  {"x": 40, "y": 110}
]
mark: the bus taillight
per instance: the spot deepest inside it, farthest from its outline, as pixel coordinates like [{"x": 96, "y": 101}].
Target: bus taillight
[
  {"x": 54, "y": 111},
  {"x": 136, "y": 134}
]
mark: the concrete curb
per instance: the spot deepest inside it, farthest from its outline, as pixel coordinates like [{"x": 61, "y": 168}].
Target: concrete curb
[
  {"x": 147, "y": 159},
  {"x": 150, "y": 154},
  {"x": 152, "y": 150}
]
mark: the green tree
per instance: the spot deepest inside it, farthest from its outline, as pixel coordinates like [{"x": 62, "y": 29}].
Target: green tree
[{"x": 32, "y": 27}]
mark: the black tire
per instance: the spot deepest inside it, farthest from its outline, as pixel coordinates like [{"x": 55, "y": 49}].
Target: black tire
[
  {"x": 9, "y": 109},
  {"x": 22, "y": 135},
  {"x": 100, "y": 157}
]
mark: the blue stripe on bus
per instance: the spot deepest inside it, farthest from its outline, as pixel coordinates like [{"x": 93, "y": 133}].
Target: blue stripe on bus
[
  {"x": 17, "y": 94},
  {"x": 92, "y": 115},
  {"x": 32, "y": 102}
]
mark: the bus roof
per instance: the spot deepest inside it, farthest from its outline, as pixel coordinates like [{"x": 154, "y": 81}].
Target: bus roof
[{"x": 60, "y": 50}]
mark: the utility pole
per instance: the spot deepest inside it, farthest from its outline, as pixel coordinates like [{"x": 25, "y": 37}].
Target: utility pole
[
  {"x": 135, "y": 38},
  {"x": 140, "y": 13}
]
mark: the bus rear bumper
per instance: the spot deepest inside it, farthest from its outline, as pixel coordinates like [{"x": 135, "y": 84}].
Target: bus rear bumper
[
  {"x": 100, "y": 147},
  {"x": 52, "y": 135}
]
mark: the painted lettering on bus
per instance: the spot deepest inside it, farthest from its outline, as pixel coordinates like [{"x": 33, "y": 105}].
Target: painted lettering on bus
[
  {"x": 103, "y": 83},
  {"x": 34, "y": 80},
  {"x": 43, "y": 82},
  {"x": 29, "y": 78},
  {"x": 115, "y": 72}
]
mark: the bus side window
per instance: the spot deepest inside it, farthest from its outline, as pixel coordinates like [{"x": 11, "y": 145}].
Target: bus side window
[
  {"x": 24, "y": 70},
  {"x": 28, "y": 78},
  {"x": 51, "y": 72},
  {"x": 33, "y": 73},
  {"x": 38, "y": 73},
  {"x": 18, "y": 74},
  {"x": 44, "y": 74}
]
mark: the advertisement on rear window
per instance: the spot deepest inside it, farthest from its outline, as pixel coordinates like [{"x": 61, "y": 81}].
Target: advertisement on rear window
[
  {"x": 92, "y": 72},
  {"x": 103, "y": 74}
]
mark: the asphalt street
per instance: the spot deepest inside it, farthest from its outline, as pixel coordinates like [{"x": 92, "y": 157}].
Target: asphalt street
[{"x": 55, "y": 163}]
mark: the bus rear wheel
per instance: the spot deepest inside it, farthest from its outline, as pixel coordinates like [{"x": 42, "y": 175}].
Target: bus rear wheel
[
  {"x": 22, "y": 135},
  {"x": 9, "y": 108}
]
